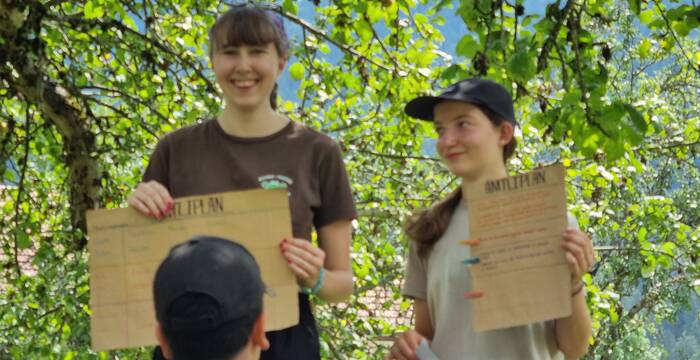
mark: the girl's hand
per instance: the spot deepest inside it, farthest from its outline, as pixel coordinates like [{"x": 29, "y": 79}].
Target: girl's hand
[
  {"x": 305, "y": 260},
  {"x": 579, "y": 254},
  {"x": 151, "y": 199},
  {"x": 405, "y": 346}
]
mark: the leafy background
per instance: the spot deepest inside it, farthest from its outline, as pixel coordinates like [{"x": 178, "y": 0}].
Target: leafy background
[{"x": 608, "y": 88}]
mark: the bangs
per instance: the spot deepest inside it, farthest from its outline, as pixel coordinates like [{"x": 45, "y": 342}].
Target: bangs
[{"x": 244, "y": 26}]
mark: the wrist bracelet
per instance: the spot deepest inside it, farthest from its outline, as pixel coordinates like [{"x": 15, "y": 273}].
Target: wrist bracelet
[
  {"x": 580, "y": 288},
  {"x": 319, "y": 284}
]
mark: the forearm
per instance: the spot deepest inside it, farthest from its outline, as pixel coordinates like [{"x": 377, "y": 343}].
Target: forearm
[
  {"x": 337, "y": 285},
  {"x": 572, "y": 333}
]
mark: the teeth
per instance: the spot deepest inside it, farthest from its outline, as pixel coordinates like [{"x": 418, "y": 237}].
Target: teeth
[{"x": 243, "y": 83}]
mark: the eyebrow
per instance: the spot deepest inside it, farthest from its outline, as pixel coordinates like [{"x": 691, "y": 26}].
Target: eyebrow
[{"x": 458, "y": 117}]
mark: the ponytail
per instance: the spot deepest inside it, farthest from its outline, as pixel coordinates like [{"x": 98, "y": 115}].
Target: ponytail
[{"x": 427, "y": 227}]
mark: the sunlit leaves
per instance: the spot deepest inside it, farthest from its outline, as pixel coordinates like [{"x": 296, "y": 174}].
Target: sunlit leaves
[
  {"x": 616, "y": 104},
  {"x": 296, "y": 70}
]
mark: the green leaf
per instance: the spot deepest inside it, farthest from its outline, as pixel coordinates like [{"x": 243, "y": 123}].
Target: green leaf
[
  {"x": 290, "y": 6},
  {"x": 521, "y": 66},
  {"x": 92, "y": 11},
  {"x": 364, "y": 29},
  {"x": 642, "y": 235},
  {"x": 668, "y": 248},
  {"x": 635, "y": 6},
  {"x": 614, "y": 149},
  {"x": 681, "y": 28},
  {"x": 614, "y": 317},
  {"x": 646, "y": 17},
  {"x": 649, "y": 266},
  {"x": 452, "y": 73},
  {"x": 644, "y": 48},
  {"x": 467, "y": 47},
  {"x": 637, "y": 119},
  {"x": 23, "y": 240},
  {"x": 296, "y": 71}
]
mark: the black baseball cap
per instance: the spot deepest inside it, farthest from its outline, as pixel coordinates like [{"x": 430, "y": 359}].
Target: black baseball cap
[
  {"x": 474, "y": 90},
  {"x": 219, "y": 268}
]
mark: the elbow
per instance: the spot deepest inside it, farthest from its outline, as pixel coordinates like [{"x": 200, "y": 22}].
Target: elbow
[
  {"x": 576, "y": 347},
  {"x": 576, "y": 353},
  {"x": 576, "y": 350}
]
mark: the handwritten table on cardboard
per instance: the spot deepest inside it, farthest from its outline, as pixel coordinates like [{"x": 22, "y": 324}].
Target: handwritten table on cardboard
[
  {"x": 126, "y": 248},
  {"x": 522, "y": 270}
]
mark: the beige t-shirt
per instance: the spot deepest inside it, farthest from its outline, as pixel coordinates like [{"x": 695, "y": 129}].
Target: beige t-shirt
[{"x": 442, "y": 279}]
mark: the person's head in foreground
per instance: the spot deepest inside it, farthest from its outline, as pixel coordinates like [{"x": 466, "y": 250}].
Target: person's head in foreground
[{"x": 208, "y": 297}]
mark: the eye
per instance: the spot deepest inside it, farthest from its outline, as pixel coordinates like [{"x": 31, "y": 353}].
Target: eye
[
  {"x": 462, "y": 124},
  {"x": 439, "y": 130},
  {"x": 229, "y": 51}
]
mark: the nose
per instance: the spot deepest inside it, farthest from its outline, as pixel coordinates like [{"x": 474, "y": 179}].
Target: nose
[
  {"x": 447, "y": 138},
  {"x": 243, "y": 62}
]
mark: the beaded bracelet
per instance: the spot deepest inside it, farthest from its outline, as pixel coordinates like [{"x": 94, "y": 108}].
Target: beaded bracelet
[{"x": 317, "y": 287}]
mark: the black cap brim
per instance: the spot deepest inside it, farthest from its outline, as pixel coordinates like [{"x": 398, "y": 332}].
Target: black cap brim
[{"x": 423, "y": 107}]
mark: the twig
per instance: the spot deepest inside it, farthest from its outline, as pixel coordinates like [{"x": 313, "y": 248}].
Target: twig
[
  {"x": 322, "y": 34},
  {"x": 381, "y": 43},
  {"x": 392, "y": 156},
  {"x": 20, "y": 190},
  {"x": 675, "y": 37}
]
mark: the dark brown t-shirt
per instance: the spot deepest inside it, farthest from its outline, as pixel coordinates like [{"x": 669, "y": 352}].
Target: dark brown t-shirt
[{"x": 203, "y": 159}]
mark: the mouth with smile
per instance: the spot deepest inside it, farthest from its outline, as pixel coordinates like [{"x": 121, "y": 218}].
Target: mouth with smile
[
  {"x": 453, "y": 155},
  {"x": 244, "y": 84}
]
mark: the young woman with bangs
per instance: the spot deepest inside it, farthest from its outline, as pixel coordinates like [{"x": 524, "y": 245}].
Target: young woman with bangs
[{"x": 250, "y": 145}]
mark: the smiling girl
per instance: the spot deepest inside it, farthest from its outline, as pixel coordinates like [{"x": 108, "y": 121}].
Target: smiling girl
[
  {"x": 250, "y": 145},
  {"x": 475, "y": 122}
]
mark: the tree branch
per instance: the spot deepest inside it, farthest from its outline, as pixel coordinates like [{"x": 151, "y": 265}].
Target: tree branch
[
  {"x": 403, "y": 157},
  {"x": 552, "y": 38}
]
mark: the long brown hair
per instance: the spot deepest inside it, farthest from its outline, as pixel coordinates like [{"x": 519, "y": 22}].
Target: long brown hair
[
  {"x": 250, "y": 24},
  {"x": 427, "y": 226}
]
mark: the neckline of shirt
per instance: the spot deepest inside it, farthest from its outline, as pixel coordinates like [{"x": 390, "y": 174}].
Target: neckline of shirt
[{"x": 281, "y": 132}]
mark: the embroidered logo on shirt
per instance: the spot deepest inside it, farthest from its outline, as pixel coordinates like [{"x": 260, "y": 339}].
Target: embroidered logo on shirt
[{"x": 275, "y": 182}]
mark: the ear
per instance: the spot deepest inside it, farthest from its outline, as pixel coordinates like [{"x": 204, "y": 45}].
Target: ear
[
  {"x": 282, "y": 63},
  {"x": 257, "y": 336},
  {"x": 507, "y": 132},
  {"x": 163, "y": 342}
]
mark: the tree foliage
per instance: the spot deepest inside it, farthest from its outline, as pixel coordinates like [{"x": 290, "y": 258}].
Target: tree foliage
[{"x": 609, "y": 89}]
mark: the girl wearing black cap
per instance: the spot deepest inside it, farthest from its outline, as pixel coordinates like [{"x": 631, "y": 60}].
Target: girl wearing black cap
[
  {"x": 250, "y": 145},
  {"x": 475, "y": 122}
]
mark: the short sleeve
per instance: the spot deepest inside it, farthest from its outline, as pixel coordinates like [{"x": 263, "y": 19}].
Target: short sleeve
[
  {"x": 157, "y": 168},
  {"x": 572, "y": 220},
  {"x": 336, "y": 196},
  {"x": 415, "y": 279}
]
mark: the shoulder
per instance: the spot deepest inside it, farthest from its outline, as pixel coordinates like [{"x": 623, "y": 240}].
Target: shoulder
[{"x": 194, "y": 132}]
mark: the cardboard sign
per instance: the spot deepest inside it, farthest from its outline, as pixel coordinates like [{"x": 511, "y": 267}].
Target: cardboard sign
[
  {"x": 519, "y": 222},
  {"x": 125, "y": 249}
]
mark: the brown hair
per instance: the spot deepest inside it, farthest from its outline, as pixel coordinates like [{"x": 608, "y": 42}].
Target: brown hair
[
  {"x": 250, "y": 24},
  {"x": 427, "y": 226}
]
